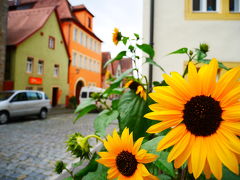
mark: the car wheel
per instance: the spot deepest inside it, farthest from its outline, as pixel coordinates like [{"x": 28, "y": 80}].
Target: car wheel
[
  {"x": 43, "y": 114},
  {"x": 4, "y": 117}
]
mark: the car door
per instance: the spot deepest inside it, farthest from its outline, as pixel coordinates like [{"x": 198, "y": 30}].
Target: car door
[
  {"x": 18, "y": 105},
  {"x": 33, "y": 102}
]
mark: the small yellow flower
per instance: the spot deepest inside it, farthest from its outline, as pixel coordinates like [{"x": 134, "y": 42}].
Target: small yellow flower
[
  {"x": 138, "y": 88},
  {"x": 116, "y": 36},
  {"x": 204, "y": 116},
  {"x": 125, "y": 158}
]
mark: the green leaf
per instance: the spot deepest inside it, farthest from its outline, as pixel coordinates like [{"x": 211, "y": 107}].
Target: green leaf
[
  {"x": 131, "y": 48},
  {"x": 103, "y": 120},
  {"x": 228, "y": 175},
  {"x": 164, "y": 177},
  {"x": 151, "y": 61},
  {"x": 137, "y": 36},
  {"x": 91, "y": 167},
  {"x": 115, "y": 103},
  {"x": 220, "y": 64},
  {"x": 124, "y": 40},
  {"x": 147, "y": 49},
  {"x": 84, "y": 108},
  {"x": 180, "y": 51},
  {"x": 68, "y": 178},
  {"x": 117, "y": 91},
  {"x": 84, "y": 104},
  {"x": 151, "y": 145},
  {"x": 200, "y": 55},
  {"x": 118, "y": 57},
  {"x": 100, "y": 174},
  {"x": 164, "y": 165},
  {"x": 131, "y": 109},
  {"x": 122, "y": 76}
]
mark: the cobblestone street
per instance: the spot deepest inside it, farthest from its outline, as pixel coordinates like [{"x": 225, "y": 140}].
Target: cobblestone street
[{"x": 29, "y": 149}]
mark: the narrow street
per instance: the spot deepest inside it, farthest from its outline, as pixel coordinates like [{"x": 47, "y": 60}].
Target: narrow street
[{"x": 29, "y": 148}]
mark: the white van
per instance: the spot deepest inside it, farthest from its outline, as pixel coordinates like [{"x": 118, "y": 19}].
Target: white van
[{"x": 86, "y": 92}]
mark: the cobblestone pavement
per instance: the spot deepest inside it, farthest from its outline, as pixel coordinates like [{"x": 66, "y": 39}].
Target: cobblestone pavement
[{"x": 29, "y": 149}]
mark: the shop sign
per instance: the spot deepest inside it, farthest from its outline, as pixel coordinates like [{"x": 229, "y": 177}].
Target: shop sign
[{"x": 35, "y": 80}]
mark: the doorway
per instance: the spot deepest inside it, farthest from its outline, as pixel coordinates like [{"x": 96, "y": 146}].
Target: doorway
[
  {"x": 54, "y": 96},
  {"x": 79, "y": 86}
]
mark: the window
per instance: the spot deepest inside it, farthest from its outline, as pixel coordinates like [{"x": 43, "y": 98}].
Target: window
[
  {"x": 90, "y": 23},
  {"x": 40, "y": 67},
  {"x": 56, "y": 70},
  {"x": 75, "y": 31},
  {"x": 84, "y": 94},
  {"x": 204, "y": 5},
  {"x": 74, "y": 59},
  {"x": 84, "y": 39},
  {"x": 87, "y": 41},
  {"x": 85, "y": 62},
  {"x": 80, "y": 61},
  {"x": 95, "y": 46},
  {"x": 29, "y": 88},
  {"x": 212, "y": 10},
  {"x": 32, "y": 96},
  {"x": 90, "y": 64},
  {"x": 80, "y": 37},
  {"x": 51, "y": 42},
  {"x": 234, "y": 6},
  {"x": 29, "y": 68},
  {"x": 40, "y": 89},
  {"x": 90, "y": 44},
  {"x": 19, "y": 97}
]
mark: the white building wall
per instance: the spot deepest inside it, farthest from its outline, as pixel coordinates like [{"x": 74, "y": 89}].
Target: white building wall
[{"x": 172, "y": 32}]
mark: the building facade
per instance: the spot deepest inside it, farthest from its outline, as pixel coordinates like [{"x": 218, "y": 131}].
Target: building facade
[
  {"x": 37, "y": 56},
  {"x": 188, "y": 23}
]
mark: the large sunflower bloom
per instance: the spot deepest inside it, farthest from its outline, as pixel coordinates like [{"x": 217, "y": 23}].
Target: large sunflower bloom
[
  {"x": 116, "y": 36},
  {"x": 204, "y": 116},
  {"x": 124, "y": 158},
  {"x": 136, "y": 87}
]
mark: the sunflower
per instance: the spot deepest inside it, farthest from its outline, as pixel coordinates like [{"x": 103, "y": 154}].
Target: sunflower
[
  {"x": 204, "y": 116},
  {"x": 124, "y": 158},
  {"x": 136, "y": 87},
  {"x": 116, "y": 36}
]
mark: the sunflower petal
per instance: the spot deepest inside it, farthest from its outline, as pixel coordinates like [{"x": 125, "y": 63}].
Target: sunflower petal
[
  {"x": 207, "y": 170},
  {"x": 113, "y": 173},
  {"x": 214, "y": 162},
  {"x": 137, "y": 145},
  {"x": 159, "y": 127},
  {"x": 231, "y": 126},
  {"x": 164, "y": 115},
  {"x": 174, "y": 136},
  {"x": 198, "y": 156},
  {"x": 226, "y": 83},
  {"x": 228, "y": 158},
  {"x": 185, "y": 154},
  {"x": 230, "y": 98},
  {"x": 146, "y": 158},
  {"x": 179, "y": 147},
  {"x": 193, "y": 78}
]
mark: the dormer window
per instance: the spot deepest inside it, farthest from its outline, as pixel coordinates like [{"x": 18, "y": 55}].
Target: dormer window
[
  {"x": 90, "y": 23},
  {"x": 51, "y": 42}
]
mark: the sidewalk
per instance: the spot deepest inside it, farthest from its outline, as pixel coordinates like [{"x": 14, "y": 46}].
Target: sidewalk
[{"x": 60, "y": 110}]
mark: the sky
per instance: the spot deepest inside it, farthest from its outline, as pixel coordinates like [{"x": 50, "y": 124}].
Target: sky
[{"x": 126, "y": 15}]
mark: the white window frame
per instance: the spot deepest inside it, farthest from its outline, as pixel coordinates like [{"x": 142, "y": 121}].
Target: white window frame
[
  {"x": 40, "y": 67},
  {"x": 87, "y": 43},
  {"x": 236, "y": 3},
  {"x": 203, "y": 6},
  {"x": 75, "y": 32},
  {"x": 29, "y": 65},
  {"x": 81, "y": 37},
  {"x": 85, "y": 62},
  {"x": 56, "y": 70},
  {"x": 80, "y": 61}
]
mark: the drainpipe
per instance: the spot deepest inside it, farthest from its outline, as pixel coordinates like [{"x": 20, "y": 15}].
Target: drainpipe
[{"x": 150, "y": 71}]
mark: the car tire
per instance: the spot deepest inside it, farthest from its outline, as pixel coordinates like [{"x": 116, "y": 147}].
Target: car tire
[
  {"x": 43, "y": 114},
  {"x": 4, "y": 117}
]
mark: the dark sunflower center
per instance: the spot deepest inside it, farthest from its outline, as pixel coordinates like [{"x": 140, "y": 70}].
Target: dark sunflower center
[
  {"x": 134, "y": 85},
  {"x": 202, "y": 115},
  {"x": 126, "y": 163}
]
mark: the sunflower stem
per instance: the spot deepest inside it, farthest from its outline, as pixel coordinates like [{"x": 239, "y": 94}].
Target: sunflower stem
[{"x": 94, "y": 136}]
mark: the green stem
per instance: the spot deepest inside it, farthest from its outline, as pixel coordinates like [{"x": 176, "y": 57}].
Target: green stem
[
  {"x": 94, "y": 136},
  {"x": 70, "y": 172},
  {"x": 105, "y": 104}
]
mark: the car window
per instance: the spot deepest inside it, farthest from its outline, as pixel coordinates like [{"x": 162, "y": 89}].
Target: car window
[
  {"x": 39, "y": 95},
  {"x": 20, "y": 97},
  {"x": 84, "y": 94},
  {"x": 32, "y": 96}
]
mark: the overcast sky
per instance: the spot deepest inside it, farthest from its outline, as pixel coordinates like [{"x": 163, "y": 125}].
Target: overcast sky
[{"x": 126, "y": 15}]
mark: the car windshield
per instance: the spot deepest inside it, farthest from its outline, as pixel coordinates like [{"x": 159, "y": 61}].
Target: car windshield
[{"x": 5, "y": 95}]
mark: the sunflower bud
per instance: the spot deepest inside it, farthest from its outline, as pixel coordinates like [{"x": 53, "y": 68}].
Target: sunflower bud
[
  {"x": 204, "y": 47},
  {"x": 190, "y": 52},
  {"x": 59, "y": 167},
  {"x": 78, "y": 146}
]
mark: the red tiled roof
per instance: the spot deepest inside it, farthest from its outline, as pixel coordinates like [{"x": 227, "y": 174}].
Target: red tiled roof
[
  {"x": 63, "y": 8},
  {"x": 81, "y": 7},
  {"x": 15, "y": 2},
  {"x": 22, "y": 24}
]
